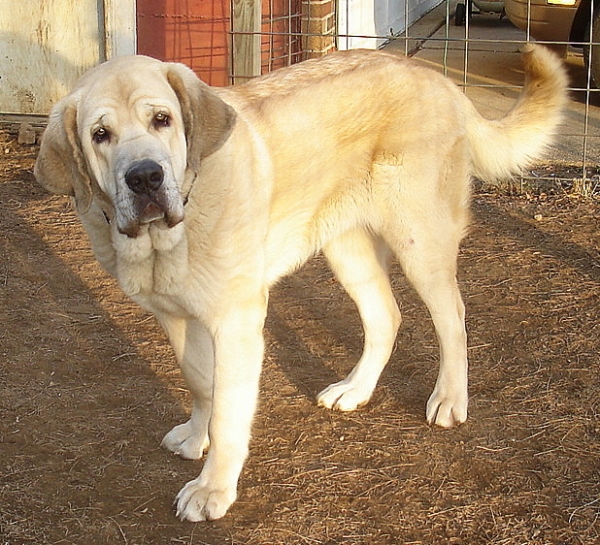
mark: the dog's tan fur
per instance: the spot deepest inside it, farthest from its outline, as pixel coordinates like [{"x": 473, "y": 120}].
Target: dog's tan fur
[{"x": 361, "y": 155}]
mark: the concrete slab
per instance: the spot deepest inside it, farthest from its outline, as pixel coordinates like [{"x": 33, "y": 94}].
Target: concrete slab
[{"x": 483, "y": 57}]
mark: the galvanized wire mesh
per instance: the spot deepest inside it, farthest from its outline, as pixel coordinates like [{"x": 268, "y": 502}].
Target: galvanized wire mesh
[{"x": 482, "y": 56}]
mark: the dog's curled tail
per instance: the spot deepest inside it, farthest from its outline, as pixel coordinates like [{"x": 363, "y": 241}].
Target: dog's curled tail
[{"x": 502, "y": 148}]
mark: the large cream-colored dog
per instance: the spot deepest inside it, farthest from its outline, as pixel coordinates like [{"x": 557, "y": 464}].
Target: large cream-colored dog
[{"x": 198, "y": 199}]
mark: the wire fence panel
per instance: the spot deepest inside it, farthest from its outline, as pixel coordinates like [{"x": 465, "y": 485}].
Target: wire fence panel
[{"x": 476, "y": 44}]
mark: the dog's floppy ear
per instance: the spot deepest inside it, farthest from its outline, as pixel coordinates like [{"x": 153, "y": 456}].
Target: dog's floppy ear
[
  {"x": 60, "y": 165},
  {"x": 208, "y": 120}
]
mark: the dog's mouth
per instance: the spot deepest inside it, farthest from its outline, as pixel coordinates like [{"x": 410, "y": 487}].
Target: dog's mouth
[
  {"x": 148, "y": 211},
  {"x": 150, "y": 208}
]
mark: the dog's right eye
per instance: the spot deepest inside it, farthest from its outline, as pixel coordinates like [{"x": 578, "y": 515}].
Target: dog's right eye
[{"x": 101, "y": 135}]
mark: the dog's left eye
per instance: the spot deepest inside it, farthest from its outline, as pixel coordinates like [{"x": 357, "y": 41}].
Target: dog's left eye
[
  {"x": 161, "y": 120},
  {"x": 101, "y": 135}
]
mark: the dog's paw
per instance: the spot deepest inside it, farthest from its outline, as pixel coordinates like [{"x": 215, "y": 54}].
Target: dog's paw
[
  {"x": 446, "y": 410},
  {"x": 344, "y": 396},
  {"x": 184, "y": 441},
  {"x": 197, "y": 502}
]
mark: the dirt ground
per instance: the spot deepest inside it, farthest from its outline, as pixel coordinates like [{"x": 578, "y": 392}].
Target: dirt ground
[{"x": 88, "y": 387}]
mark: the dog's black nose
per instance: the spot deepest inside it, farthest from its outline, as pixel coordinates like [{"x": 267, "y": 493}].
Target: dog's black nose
[{"x": 144, "y": 176}]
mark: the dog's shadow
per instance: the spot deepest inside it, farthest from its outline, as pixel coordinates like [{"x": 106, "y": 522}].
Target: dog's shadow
[
  {"x": 314, "y": 334},
  {"x": 314, "y": 337},
  {"x": 80, "y": 387}
]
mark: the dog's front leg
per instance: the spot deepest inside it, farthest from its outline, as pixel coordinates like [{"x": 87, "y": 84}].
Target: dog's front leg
[
  {"x": 238, "y": 350},
  {"x": 193, "y": 346}
]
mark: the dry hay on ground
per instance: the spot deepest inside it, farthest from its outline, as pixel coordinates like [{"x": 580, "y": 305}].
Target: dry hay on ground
[{"x": 88, "y": 386}]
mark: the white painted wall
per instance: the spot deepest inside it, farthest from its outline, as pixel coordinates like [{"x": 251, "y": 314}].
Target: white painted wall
[
  {"x": 45, "y": 45},
  {"x": 367, "y": 23}
]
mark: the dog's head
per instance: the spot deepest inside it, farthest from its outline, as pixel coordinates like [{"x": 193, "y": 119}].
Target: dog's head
[{"x": 127, "y": 134}]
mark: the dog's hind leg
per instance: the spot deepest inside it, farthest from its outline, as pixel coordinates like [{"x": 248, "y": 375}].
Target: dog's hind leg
[
  {"x": 360, "y": 262},
  {"x": 427, "y": 247},
  {"x": 193, "y": 348}
]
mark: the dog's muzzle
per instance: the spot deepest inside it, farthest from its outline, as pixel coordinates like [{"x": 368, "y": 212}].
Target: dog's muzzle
[{"x": 150, "y": 197}]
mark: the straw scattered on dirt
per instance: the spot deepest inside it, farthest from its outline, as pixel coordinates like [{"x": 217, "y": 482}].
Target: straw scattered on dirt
[{"x": 88, "y": 386}]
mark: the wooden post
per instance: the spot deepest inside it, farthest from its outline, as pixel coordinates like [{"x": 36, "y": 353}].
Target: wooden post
[
  {"x": 119, "y": 28},
  {"x": 246, "y": 24}
]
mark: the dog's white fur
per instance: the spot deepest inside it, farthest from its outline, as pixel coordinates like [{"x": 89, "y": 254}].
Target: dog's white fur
[{"x": 361, "y": 155}]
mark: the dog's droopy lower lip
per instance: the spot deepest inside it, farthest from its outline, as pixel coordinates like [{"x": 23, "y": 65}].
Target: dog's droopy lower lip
[
  {"x": 172, "y": 221},
  {"x": 133, "y": 229}
]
